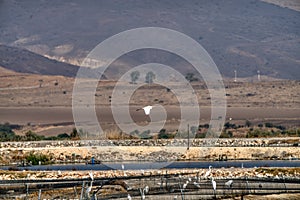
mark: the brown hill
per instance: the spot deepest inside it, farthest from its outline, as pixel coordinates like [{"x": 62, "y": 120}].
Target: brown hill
[
  {"x": 240, "y": 35},
  {"x": 24, "y": 61}
]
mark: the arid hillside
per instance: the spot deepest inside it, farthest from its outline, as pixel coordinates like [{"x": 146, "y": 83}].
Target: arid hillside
[{"x": 239, "y": 35}]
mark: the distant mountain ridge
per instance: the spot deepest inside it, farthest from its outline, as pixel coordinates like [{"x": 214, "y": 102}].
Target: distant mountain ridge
[{"x": 242, "y": 35}]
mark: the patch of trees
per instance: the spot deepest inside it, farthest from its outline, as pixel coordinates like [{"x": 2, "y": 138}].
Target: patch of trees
[
  {"x": 7, "y": 134},
  {"x": 135, "y": 75}
]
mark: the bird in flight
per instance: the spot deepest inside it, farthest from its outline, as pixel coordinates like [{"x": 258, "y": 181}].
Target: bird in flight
[{"x": 146, "y": 109}]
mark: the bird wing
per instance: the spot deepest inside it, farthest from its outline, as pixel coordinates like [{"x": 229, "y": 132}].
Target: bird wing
[{"x": 147, "y": 109}]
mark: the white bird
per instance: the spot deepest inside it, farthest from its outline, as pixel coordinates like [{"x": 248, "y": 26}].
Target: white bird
[
  {"x": 59, "y": 172},
  {"x": 214, "y": 184},
  {"x": 91, "y": 176},
  {"x": 184, "y": 185},
  {"x": 146, "y": 189},
  {"x": 146, "y": 109},
  {"x": 123, "y": 167},
  {"x": 128, "y": 197},
  {"x": 89, "y": 189},
  {"x": 142, "y": 194},
  {"x": 175, "y": 197},
  {"x": 229, "y": 183},
  {"x": 208, "y": 172},
  {"x": 196, "y": 184}
]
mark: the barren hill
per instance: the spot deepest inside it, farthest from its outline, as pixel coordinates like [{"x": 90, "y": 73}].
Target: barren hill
[
  {"x": 24, "y": 61},
  {"x": 240, "y": 35}
]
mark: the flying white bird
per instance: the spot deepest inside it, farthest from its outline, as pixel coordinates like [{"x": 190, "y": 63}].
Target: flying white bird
[
  {"x": 146, "y": 109},
  {"x": 208, "y": 172},
  {"x": 229, "y": 183}
]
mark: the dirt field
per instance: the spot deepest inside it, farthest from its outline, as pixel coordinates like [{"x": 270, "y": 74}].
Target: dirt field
[
  {"x": 53, "y": 120},
  {"x": 45, "y": 102}
]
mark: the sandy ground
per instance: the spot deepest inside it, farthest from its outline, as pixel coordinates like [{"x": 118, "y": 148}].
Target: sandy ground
[
  {"x": 55, "y": 120},
  {"x": 46, "y": 101}
]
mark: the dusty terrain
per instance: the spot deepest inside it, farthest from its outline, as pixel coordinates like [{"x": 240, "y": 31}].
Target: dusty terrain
[{"x": 43, "y": 103}]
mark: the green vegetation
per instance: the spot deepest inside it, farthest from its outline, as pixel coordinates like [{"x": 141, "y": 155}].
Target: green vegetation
[
  {"x": 7, "y": 134},
  {"x": 191, "y": 77},
  {"x": 150, "y": 76},
  {"x": 134, "y": 76},
  {"x": 36, "y": 159},
  {"x": 164, "y": 135},
  {"x": 230, "y": 130}
]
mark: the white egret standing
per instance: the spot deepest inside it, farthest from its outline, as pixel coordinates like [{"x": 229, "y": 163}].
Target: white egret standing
[
  {"x": 91, "y": 176},
  {"x": 146, "y": 109},
  {"x": 196, "y": 184},
  {"x": 128, "y": 197},
  {"x": 229, "y": 183},
  {"x": 123, "y": 168},
  {"x": 142, "y": 194},
  {"x": 214, "y": 184},
  {"x": 146, "y": 189},
  {"x": 184, "y": 185},
  {"x": 208, "y": 172},
  {"x": 89, "y": 189}
]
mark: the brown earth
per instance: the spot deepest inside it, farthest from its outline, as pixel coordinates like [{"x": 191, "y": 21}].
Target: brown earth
[{"x": 45, "y": 102}]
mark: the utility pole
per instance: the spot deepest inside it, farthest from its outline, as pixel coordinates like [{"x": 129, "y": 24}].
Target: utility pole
[
  {"x": 188, "y": 132},
  {"x": 235, "y": 74}
]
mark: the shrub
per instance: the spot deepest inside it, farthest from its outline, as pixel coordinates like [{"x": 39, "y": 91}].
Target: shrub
[
  {"x": 145, "y": 135},
  {"x": 164, "y": 135},
  {"x": 34, "y": 159},
  {"x": 269, "y": 125}
]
